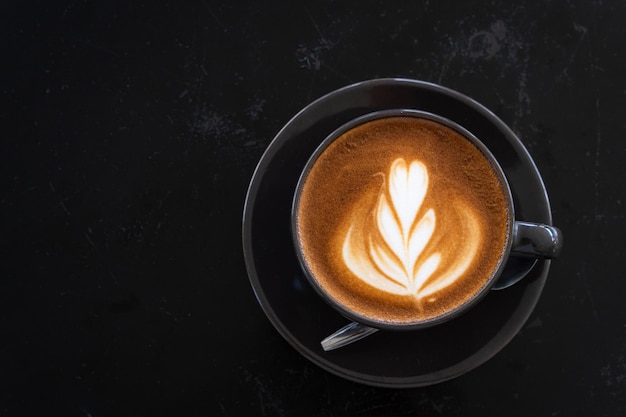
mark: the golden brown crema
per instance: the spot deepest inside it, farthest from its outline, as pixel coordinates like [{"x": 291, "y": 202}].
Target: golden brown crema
[{"x": 402, "y": 219}]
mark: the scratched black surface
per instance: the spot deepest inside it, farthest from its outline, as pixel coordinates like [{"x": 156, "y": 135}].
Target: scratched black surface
[{"x": 129, "y": 132}]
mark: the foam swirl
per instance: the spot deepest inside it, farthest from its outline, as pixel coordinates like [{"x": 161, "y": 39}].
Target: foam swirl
[{"x": 389, "y": 249}]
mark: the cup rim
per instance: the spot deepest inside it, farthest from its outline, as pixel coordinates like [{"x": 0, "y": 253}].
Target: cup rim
[{"x": 451, "y": 314}]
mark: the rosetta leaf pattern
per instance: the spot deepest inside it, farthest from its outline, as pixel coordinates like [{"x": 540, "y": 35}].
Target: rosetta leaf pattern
[
  {"x": 392, "y": 256},
  {"x": 396, "y": 218}
]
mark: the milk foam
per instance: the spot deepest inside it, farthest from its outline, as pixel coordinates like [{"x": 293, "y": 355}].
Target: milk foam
[
  {"x": 387, "y": 250},
  {"x": 401, "y": 220}
]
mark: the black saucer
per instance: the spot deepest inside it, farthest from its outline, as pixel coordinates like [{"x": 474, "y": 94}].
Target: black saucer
[{"x": 387, "y": 358}]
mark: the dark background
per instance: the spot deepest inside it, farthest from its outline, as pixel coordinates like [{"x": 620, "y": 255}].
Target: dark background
[{"x": 129, "y": 132}]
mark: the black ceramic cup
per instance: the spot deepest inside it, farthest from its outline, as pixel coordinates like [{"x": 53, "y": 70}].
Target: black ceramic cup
[{"x": 523, "y": 239}]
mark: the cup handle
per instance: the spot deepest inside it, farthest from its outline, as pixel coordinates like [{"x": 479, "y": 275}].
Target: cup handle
[{"x": 536, "y": 240}]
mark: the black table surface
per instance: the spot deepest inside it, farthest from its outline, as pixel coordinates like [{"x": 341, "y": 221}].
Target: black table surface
[{"x": 129, "y": 134}]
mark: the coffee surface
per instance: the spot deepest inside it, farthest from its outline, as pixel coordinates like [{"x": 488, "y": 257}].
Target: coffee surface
[{"x": 402, "y": 220}]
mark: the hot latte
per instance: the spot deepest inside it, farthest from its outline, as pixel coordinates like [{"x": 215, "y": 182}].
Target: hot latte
[{"x": 401, "y": 220}]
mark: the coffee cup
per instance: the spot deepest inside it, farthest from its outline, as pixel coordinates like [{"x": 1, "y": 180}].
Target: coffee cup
[{"x": 403, "y": 219}]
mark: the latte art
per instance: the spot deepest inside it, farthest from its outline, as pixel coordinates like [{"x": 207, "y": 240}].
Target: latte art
[
  {"x": 401, "y": 220},
  {"x": 389, "y": 253}
]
